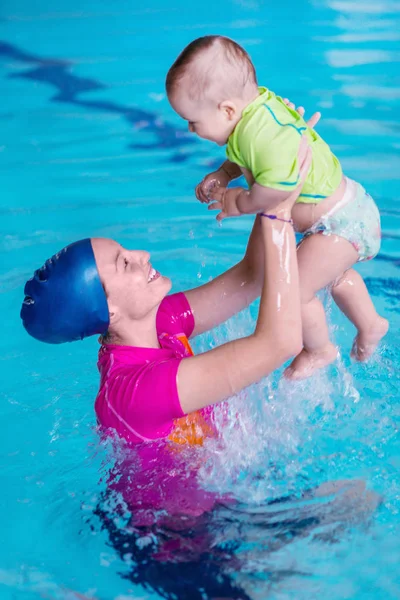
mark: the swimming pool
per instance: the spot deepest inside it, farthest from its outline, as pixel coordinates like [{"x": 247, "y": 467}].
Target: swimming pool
[{"x": 90, "y": 147}]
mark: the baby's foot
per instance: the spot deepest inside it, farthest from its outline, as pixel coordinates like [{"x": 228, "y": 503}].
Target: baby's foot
[
  {"x": 365, "y": 342},
  {"x": 307, "y": 362}
]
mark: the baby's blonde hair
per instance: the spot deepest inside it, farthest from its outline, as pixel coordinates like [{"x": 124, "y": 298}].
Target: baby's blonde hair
[{"x": 212, "y": 64}]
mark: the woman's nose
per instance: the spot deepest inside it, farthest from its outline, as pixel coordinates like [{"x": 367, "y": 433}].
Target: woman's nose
[{"x": 141, "y": 256}]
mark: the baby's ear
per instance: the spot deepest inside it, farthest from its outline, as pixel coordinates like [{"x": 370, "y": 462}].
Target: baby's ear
[{"x": 229, "y": 109}]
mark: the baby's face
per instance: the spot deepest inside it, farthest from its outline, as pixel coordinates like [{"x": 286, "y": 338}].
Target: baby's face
[{"x": 205, "y": 118}]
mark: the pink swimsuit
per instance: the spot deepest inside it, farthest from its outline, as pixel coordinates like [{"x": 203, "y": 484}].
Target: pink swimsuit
[{"x": 138, "y": 394}]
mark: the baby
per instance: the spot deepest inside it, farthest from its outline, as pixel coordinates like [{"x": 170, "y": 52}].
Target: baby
[{"x": 213, "y": 86}]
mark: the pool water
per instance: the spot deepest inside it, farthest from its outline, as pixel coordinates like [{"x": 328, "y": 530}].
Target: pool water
[{"x": 90, "y": 147}]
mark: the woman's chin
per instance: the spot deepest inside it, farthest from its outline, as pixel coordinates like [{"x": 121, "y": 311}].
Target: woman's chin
[{"x": 165, "y": 283}]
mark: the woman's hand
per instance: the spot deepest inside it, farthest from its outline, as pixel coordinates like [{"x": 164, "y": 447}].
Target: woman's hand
[{"x": 312, "y": 121}]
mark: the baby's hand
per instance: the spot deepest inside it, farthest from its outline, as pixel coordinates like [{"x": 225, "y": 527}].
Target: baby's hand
[
  {"x": 226, "y": 201},
  {"x": 216, "y": 179}
]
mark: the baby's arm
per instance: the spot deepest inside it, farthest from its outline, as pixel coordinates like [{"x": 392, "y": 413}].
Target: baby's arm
[
  {"x": 260, "y": 198},
  {"x": 238, "y": 201},
  {"x": 233, "y": 170}
]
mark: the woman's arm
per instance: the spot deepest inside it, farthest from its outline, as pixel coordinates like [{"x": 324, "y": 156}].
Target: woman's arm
[
  {"x": 226, "y": 295},
  {"x": 213, "y": 376}
]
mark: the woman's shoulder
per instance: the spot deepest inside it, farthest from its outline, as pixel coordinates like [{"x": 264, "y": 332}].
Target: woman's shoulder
[
  {"x": 173, "y": 302},
  {"x": 175, "y": 315}
]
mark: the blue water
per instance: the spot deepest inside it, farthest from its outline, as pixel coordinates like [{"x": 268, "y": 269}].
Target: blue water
[{"x": 90, "y": 147}]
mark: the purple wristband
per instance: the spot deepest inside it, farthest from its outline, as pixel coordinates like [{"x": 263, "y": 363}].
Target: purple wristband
[{"x": 274, "y": 217}]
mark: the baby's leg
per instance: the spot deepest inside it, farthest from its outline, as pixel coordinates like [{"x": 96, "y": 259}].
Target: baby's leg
[
  {"x": 351, "y": 295},
  {"x": 321, "y": 259}
]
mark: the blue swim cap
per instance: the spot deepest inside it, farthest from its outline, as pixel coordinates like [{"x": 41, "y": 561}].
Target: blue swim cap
[{"x": 64, "y": 300}]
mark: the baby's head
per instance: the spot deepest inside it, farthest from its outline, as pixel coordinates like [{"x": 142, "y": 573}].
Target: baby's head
[{"x": 210, "y": 84}]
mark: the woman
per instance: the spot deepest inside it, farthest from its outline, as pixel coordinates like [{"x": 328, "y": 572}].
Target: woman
[
  {"x": 150, "y": 381},
  {"x": 149, "y": 377}
]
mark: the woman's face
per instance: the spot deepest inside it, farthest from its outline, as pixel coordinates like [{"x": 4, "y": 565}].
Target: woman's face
[{"x": 133, "y": 288}]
